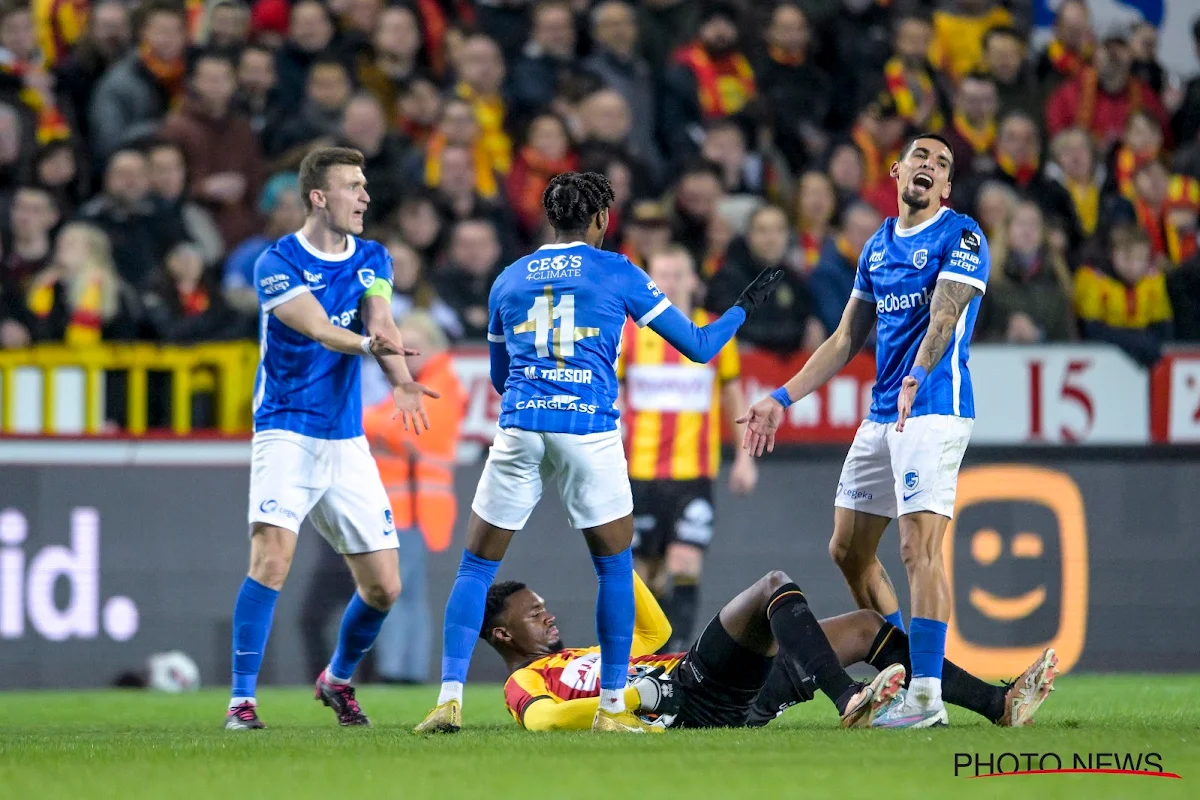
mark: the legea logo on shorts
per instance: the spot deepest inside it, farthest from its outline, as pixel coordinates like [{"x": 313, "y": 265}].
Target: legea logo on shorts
[
  {"x": 1016, "y": 557},
  {"x": 28, "y": 581}
]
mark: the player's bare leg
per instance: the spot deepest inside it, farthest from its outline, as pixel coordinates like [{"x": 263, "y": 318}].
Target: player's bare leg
[
  {"x": 486, "y": 546},
  {"x": 609, "y": 545},
  {"x": 921, "y": 536},
  {"x": 772, "y": 618},
  {"x": 271, "y": 552},
  {"x": 684, "y": 563},
  {"x": 854, "y": 548},
  {"x": 377, "y": 582}
]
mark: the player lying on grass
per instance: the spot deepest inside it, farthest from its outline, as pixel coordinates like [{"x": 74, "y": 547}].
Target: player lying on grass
[{"x": 764, "y": 652}]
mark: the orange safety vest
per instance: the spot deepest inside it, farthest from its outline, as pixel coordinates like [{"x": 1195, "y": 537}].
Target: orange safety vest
[{"x": 418, "y": 471}]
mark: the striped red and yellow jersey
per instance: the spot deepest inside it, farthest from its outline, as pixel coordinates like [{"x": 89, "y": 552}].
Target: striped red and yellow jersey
[
  {"x": 672, "y": 414},
  {"x": 574, "y": 673}
]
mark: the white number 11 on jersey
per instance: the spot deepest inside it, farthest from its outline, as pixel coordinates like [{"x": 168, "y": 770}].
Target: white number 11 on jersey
[{"x": 548, "y": 337}]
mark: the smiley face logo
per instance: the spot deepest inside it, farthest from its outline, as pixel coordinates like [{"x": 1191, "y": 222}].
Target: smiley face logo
[{"x": 1016, "y": 558}]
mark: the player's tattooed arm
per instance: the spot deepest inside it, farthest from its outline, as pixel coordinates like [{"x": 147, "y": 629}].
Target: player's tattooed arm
[{"x": 950, "y": 299}]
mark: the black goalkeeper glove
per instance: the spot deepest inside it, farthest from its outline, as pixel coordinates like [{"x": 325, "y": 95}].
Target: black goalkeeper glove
[
  {"x": 761, "y": 288},
  {"x": 657, "y": 693}
]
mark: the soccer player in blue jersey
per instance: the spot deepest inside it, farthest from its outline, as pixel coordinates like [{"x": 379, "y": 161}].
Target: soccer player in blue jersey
[
  {"x": 920, "y": 278},
  {"x": 556, "y": 318},
  {"x": 325, "y": 300}
]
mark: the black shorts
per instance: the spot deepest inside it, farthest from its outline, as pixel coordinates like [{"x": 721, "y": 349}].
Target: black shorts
[
  {"x": 671, "y": 511},
  {"x": 719, "y": 680}
]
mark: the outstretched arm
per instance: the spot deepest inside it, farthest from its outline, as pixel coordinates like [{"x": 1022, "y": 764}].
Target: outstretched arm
[
  {"x": 406, "y": 392},
  {"x": 545, "y": 714},
  {"x": 304, "y": 314},
  {"x": 949, "y": 303},
  {"x": 698, "y": 344}
]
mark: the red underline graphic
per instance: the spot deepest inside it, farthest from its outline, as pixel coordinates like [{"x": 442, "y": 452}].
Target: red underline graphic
[{"x": 1080, "y": 772}]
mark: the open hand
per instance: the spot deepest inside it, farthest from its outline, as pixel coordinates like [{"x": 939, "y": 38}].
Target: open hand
[
  {"x": 408, "y": 398},
  {"x": 761, "y": 420},
  {"x": 383, "y": 344}
]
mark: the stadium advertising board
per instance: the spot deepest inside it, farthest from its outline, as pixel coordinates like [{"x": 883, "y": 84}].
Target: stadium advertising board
[
  {"x": 104, "y": 563},
  {"x": 1175, "y": 416}
]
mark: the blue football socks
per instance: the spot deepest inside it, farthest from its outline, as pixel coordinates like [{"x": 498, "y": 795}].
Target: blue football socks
[
  {"x": 252, "y": 615},
  {"x": 614, "y": 624},
  {"x": 897, "y": 620},
  {"x": 464, "y": 618},
  {"x": 359, "y": 630}
]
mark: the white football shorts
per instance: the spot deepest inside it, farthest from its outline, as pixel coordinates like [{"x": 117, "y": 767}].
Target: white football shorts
[
  {"x": 332, "y": 482},
  {"x": 593, "y": 478},
  {"x": 892, "y": 474}
]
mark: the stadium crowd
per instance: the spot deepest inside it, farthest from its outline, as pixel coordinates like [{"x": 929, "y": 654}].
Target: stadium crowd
[{"x": 148, "y": 153}]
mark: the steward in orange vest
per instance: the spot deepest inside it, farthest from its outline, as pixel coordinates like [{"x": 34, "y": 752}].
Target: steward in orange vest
[{"x": 418, "y": 471}]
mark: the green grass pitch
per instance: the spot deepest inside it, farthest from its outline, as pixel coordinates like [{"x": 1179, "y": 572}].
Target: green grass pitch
[{"x": 120, "y": 744}]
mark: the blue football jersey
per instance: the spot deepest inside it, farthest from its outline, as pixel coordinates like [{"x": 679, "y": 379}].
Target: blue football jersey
[
  {"x": 301, "y": 386},
  {"x": 897, "y": 272},
  {"x": 560, "y": 312}
]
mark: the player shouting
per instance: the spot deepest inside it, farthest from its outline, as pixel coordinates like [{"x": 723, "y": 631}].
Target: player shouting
[
  {"x": 920, "y": 277},
  {"x": 556, "y": 318},
  {"x": 320, "y": 289}
]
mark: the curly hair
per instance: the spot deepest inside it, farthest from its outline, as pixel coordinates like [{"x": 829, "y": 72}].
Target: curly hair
[
  {"x": 497, "y": 599},
  {"x": 572, "y": 198}
]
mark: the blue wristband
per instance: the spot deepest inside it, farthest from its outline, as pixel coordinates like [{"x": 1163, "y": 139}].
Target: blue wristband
[
  {"x": 919, "y": 374},
  {"x": 781, "y": 396}
]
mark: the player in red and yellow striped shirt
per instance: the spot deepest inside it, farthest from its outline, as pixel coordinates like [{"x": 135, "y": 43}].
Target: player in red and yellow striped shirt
[{"x": 672, "y": 424}]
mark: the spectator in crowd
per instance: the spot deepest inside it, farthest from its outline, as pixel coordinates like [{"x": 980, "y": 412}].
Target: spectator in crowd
[
  {"x": 283, "y": 209},
  {"x": 547, "y": 60},
  {"x": 799, "y": 93},
  {"x": 616, "y": 63},
  {"x": 861, "y": 46},
  {"x": 1124, "y": 301},
  {"x": 604, "y": 122},
  {"x": 458, "y": 199},
  {"x": 140, "y": 230},
  {"x": 222, "y": 154},
  {"x": 845, "y": 169},
  {"x": 481, "y": 74},
  {"x": 993, "y": 207},
  {"x": 1074, "y": 167},
  {"x": 393, "y": 59},
  {"x": 16, "y": 143},
  {"x": 457, "y": 128},
  {"x": 56, "y": 169},
  {"x": 413, "y": 292},
  {"x": 419, "y": 224},
  {"x": 228, "y": 28},
  {"x": 183, "y": 306},
  {"x": 418, "y": 472},
  {"x": 14, "y": 328},
  {"x": 697, "y": 195},
  {"x": 26, "y": 76},
  {"x": 356, "y": 23},
  {"x": 545, "y": 153},
  {"x": 909, "y": 78},
  {"x": 168, "y": 170},
  {"x": 465, "y": 280},
  {"x": 664, "y": 25},
  {"x": 832, "y": 280},
  {"x": 257, "y": 97},
  {"x": 816, "y": 205},
  {"x": 646, "y": 231},
  {"x": 419, "y": 106},
  {"x": 878, "y": 133},
  {"x": 959, "y": 27},
  {"x": 972, "y": 129},
  {"x": 310, "y": 39},
  {"x": 1029, "y": 298},
  {"x": 709, "y": 78},
  {"x": 1141, "y": 141},
  {"x": 1185, "y": 124},
  {"x": 1071, "y": 50},
  {"x": 33, "y": 216},
  {"x": 1100, "y": 99},
  {"x": 104, "y": 44},
  {"x": 134, "y": 95},
  {"x": 1167, "y": 207},
  {"x": 786, "y": 323},
  {"x": 79, "y": 299},
  {"x": 1017, "y": 86},
  {"x": 364, "y": 128},
  {"x": 318, "y": 121},
  {"x": 1143, "y": 39}
]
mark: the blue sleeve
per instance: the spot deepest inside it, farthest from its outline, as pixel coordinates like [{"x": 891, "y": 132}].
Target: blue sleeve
[
  {"x": 385, "y": 270},
  {"x": 966, "y": 258},
  {"x": 643, "y": 300},
  {"x": 497, "y": 347},
  {"x": 863, "y": 289},
  {"x": 276, "y": 280},
  {"x": 699, "y": 345}
]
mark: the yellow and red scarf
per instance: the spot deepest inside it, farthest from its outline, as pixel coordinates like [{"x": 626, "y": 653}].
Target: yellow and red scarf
[
  {"x": 51, "y": 124},
  {"x": 785, "y": 59},
  {"x": 981, "y": 141},
  {"x": 170, "y": 75},
  {"x": 876, "y": 163},
  {"x": 1067, "y": 62},
  {"x": 489, "y": 113},
  {"x": 1022, "y": 173},
  {"x": 485, "y": 177},
  {"x": 1085, "y": 111},
  {"x": 59, "y": 24},
  {"x": 1166, "y": 239},
  {"x": 723, "y": 86},
  {"x": 810, "y": 249},
  {"x": 195, "y": 302},
  {"x": 539, "y": 170},
  {"x": 846, "y": 251},
  {"x": 907, "y": 89},
  {"x": 1086, "y": 199},
  {"x": 85, "y": 319},
  {"x": 1125, "y": 165}
]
